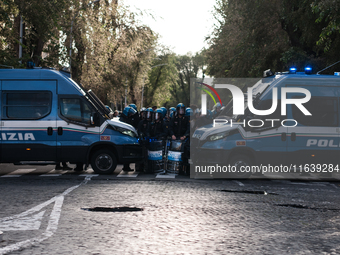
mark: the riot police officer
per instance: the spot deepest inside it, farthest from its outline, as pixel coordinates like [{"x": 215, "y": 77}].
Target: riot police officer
[
  {"x": 217, "y": 109},
  {"x": 159, "y": 129},
  {"x": 144, "y": 131},
  {"x": 172, "y": 112},
  {"x": 134, "y": 117},
  {"x": 145, "y": 125},
  {"x": 142, "y": 114},
  {"x": 127, "y": 117},
  {"x": 165, "y": 111},
  {"x": 179, "y": 126}
]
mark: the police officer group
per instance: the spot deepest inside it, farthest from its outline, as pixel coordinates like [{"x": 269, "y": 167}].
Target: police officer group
[{"x": 162, "y": 125}]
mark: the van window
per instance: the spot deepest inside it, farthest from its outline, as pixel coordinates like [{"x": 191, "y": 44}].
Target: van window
[
  {"x": 26, "y": 105},
  {"x": 74, "y": 109},
  {"x": 324, "y": 112}
]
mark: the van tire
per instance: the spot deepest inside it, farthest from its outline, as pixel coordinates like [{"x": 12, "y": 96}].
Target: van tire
[
  {"x": 238, "y": 161},
  {"x": 103, "y": 162}
]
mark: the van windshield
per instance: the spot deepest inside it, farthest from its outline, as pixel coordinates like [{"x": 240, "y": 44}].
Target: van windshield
[
  {"x": 258, "y": 89},
  {"x": 94, "y": 100}
]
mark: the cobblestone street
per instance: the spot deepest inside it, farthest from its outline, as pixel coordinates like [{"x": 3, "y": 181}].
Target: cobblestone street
[{"x": 197, "y": 217}]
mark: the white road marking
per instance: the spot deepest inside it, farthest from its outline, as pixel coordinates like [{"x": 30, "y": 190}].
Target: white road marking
[
  {"x": 128, "y": 174},
  {"x": 54, "y": 172},
  {"x": 239, "y": 183},
  {"x": 165, "y": 176},
  {"x": 90, "y": 175},
  {"x": 19, "y": 172},
  {"x": 51, "y": 175},
  {"x": 334, "y": 185},
  {"x": 52, "y": 223},
  {"x": 25, "y": 223}
]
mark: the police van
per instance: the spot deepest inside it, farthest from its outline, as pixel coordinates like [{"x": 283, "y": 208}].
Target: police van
[
  {"x": 294, "y": 138},
  {"x": 46, "y": 117}
]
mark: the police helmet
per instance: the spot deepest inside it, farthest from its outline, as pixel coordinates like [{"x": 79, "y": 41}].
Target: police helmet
[
  {"x": 165, "y": 111},
  {"x": 133, "y": 106},
  {"x": 143, "y": 113},
  {"x": 131, "y": 112},
  {"x": 126, "y": 111},
  {"x": 180, "y": 109},
  {"x": 158, "y": 114},
  {"x": 149, "y": 114},
  {"x": 188, "y": 112},
  {"x": 217, "y": 107},
  {"x": 171, "y": 111}
]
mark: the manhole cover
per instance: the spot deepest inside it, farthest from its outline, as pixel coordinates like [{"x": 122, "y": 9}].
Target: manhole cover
[
  {"x": 113, "y": 209},
  {"x": 295, "y": 206}
]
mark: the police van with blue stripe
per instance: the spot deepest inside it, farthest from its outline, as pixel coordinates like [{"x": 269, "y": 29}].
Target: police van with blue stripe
[
  {"x": 293, "y": 138},
  {"x": 46, "y": 117}
]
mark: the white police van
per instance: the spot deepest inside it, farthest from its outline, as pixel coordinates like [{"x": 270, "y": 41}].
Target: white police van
[
  {"x": 46, "y": 117},
  {"x": 292, "y": 139}
]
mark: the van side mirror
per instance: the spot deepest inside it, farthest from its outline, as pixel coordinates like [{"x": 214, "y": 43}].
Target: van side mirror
[{"x": 95, "y": 119}]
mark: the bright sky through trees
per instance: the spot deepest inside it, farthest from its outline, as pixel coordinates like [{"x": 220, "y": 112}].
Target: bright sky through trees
[{"x": 182, "y": 24}]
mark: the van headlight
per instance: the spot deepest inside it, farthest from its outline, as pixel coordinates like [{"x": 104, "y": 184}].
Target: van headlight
[
  {"x": 125, "y": 131},
  {"x": 218, "y": 136},
  {"x": 197, "y": 136}
]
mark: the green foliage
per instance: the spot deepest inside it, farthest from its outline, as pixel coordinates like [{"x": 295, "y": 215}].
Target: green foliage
[
  {"x": 42, "y": 21},
  {"x": 252, "y": 36},
  {"x": 328, "y": 14},
  {"x": 117, "y": 55},
  {"x": 111, "y": 51},
  {"x": 105, "y": 39},
  {"x": 169, "y": 85}
]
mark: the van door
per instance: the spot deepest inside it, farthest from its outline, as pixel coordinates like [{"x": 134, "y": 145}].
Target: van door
[
  {"x": 28, "y": 120},
  {"x": 1, "y": 123},
  {"x": 268, "y": 137},
  {"x": 315, "y": 139},
  {"x": 75, "y": 132}
]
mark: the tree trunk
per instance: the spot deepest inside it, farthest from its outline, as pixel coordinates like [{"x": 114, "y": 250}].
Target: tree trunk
[{"x": 16, "y": 34}]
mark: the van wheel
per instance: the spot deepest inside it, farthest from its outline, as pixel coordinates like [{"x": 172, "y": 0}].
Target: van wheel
[
  {"x": 238, "y": 161},
  {"x": 103, "y": 162}
]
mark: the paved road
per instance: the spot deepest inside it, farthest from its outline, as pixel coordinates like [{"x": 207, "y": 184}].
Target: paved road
[{"x": 51, "y": 215}]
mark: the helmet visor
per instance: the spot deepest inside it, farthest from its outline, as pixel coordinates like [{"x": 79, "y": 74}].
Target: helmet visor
[
  {"x": 148, "y": 115},
  {"x": 158, "y": 116},
  {"x": 181, "y": 110}
]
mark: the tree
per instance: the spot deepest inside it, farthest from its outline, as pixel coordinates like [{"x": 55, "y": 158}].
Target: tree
[
  {"x": 105, "y": 42},
  {"x": 329, "y": 37},
  {"x": 42, "y": 22},
  {"x": 169, "y": 78},
  {"x": 158, "y": 79},
  {"x": 252, "y": 36},
  {"x": 188, "y": 66}
]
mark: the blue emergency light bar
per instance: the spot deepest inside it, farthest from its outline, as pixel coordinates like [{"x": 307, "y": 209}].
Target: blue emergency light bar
[
  {"x": 292, "y": 70},
  {"x": 308, "y": 70}
]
